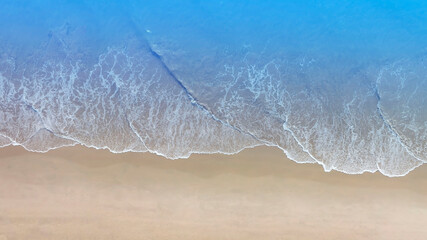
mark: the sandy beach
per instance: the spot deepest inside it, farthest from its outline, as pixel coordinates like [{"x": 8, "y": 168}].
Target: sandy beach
[{"x": 82, "y": 193}]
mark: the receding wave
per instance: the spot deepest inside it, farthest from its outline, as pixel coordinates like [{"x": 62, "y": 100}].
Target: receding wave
[{"x": 145, "y": 92}]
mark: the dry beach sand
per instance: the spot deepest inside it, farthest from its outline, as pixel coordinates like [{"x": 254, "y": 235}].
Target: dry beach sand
[{"x": 82, "y": 193}]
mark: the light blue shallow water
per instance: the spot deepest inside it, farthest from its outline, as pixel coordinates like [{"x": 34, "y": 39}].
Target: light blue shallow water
[{"x": 340, "y": 83}]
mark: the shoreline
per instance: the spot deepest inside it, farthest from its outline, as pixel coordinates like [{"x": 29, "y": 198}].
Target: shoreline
[
  {"x": 81, "y": 147},
  {"x": 82, "y": 193}
]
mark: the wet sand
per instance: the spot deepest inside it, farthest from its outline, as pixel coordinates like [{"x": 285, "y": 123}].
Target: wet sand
[{"x": 81, "y": 193}]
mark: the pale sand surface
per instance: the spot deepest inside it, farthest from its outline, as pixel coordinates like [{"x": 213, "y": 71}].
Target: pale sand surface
[{"x": 81, "y": 193}]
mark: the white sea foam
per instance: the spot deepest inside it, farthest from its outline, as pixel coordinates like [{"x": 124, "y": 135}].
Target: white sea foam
[
  {"x": 134, "y": 97},
  {"x": 316, "y": 110},
  {"x": 126, "y": 101}
]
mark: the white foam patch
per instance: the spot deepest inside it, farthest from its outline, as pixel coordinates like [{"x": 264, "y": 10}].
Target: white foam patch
[
  {"x": 137, "y": 98},
  {"x": 5, "y": 141},
  {"x": 127, "y": 101},
  {"x": 44, "y": 140},
  {"x": 315, "y": 109},
  {"x": 402, "y": 88}
]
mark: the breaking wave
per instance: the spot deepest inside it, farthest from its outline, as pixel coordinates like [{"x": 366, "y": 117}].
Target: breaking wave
[{"x": 137, "y": 91}]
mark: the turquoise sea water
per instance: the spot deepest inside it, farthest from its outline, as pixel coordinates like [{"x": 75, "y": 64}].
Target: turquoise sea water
[{"x": 340, "y": 83}]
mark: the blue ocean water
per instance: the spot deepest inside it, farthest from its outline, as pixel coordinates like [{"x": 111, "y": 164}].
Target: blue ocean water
[{"x": 339, "y": 83}]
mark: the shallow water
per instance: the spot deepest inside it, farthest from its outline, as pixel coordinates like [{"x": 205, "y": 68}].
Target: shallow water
[{"x": 339, "y": 83}]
